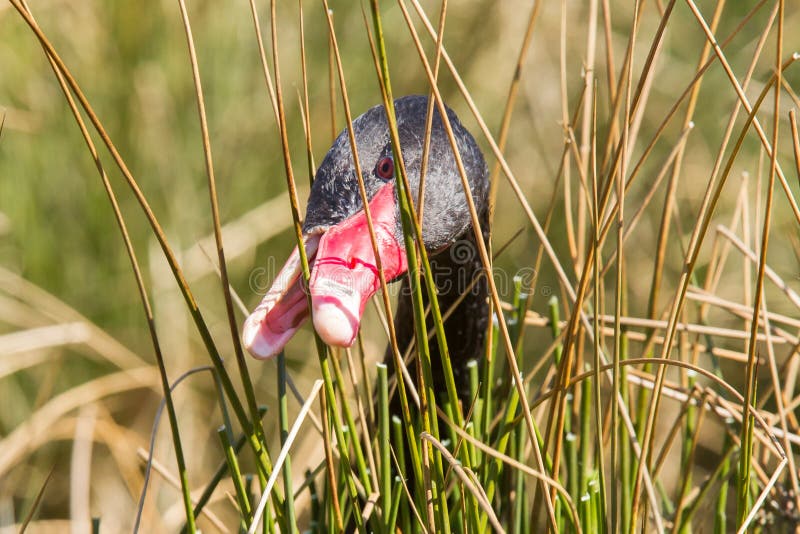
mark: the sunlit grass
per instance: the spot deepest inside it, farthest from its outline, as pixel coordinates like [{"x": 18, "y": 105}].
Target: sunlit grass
[{"x": 653, "y": 229}]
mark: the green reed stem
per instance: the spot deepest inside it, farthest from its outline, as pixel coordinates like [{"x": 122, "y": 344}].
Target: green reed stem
[
  {"x": 220, "y": 472},
  {"x": 288, "y": 501},
  {"x": 398, "y": 445},
  {"x": 64, "y": 78},
  {"x": 410, "y": 227},
  {"x": 246, "y": 513},
  {"x": 358, "y": 451},
  {"x": 322, "y": 352},
  {"x": 384, "y": 444}
]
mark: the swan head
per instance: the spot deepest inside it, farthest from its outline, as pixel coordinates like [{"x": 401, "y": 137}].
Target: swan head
[{"x": 337, "y": 240}]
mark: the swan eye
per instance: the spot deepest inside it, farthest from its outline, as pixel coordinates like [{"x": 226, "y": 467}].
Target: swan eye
[{"x": 385, "y": 168}]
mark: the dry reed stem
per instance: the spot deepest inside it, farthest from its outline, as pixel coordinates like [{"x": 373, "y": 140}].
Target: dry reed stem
[
  {"x": 45, "y": 307},
  {"x": 476, "y": 227},
  {"x": 16, "y": 443},
  {"x": 259, "y": 511},
  {"x": 698, "y": 234},
  {"x": 471, "y": 483},
  {"x": 543, "y": 477}
]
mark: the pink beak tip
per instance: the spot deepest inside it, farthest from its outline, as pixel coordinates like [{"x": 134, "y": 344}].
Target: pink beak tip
[
  {"x": 254, "y": 340},
  {"x": 334, "y": 324}
]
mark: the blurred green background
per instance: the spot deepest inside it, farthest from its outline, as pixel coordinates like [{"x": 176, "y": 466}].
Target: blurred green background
[
  {"x": 57, "y": 227},
  {"x": 57, "y": 230}
]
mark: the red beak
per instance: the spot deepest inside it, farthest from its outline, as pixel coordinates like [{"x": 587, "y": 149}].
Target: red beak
[{"x": 344, "y": 275}]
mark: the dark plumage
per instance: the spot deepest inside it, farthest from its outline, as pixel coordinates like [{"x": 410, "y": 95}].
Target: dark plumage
[{"x": 334, "y": 194}]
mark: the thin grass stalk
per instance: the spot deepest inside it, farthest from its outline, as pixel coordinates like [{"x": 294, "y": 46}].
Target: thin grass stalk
[
  {"x": 597, "y": 506},
  {"x": 384, "y": 445},
  {"x": 194, "y": 310},
  {"x": 519, "y": 303},
  {"x": 588, "y": 131},
  {"x": 720, "y": 511},
  {"x": 646, "y": 201},
  {"x": 330, "y": 471},
  {"x": 734, "y": 394},
  {"x": 505, "y": 432},
  {"x": 484, "y": 257},
  {"x": 147, "y": 456},
  {"x": 511, "y": 99},
  {"x": 262, "y": 54},
  {"x": 795, "y": 140},
  {"x": 625, "y": 447},
  {"x": 619, "y": 280},
  {"x": 520, "y": 196},
  {"x": 505, "y": 429},
  {"x": 474, "y": 417},
  {"x": 520, "y": 501},
  {"x": 415, "y": 225},
  {"x": 362, "y": 416},
  {"x": 780, "y": 402},
  {"x": 609, "y": 48},
  {"x": 743, "y": 479},
  {"x": 487, "y": 378},
  {"x": 549, "y": 214},
  {"x": 307, "y": 122},
  {"x": 507, "y": 460},
  {"x": 498, "y": 154},
  {"x": 612, "y": 151},
  {"x": 410, "y": 430},
  {"x": 678, "y": 425},
  {"x": 316, "y": 510},
  {"x": 322, "y": 351},
  {"x": 556, "y": 411},
  {"x": 220, "y": 472},
  {"x": 598, "y": 404},
  {"x": 409, "y": 499},
  {"x": 713, "y": 193},
  {"x": 26, "y": 521},
  {"x": 247, "y": 383},
  {"x": 647, "y": 77},
  {"x": 366, "y": 477},
  {"x": 465, "y": 479},
  {"x": 147, "y": 308},
  {"x": 427, "y": 393},
  {"x": 398, "y": 453},
  {"x": 397, "y": 495},
  {"x": 729, "y": 129},
  {"x": 692, "y": 427},
  {"x": 746, "y": 104},
  {"x": 718, "y": 477},
  {"x": 367, "y": 389},
  {"x": 761, "y": 497},
  {"x": 257, "y": 515},
  {"x": 236, "y": 476},
  {"x": 283, "y": 417},
  {"x": 426, "y": 142},
  {"x": 569, "y": 225},
  {"x": 573, "y": 464},
  {"x": 672, "y": 186},
  {"x": 586, "y": 515},
  {"x": 659, "y": 131},
  {"x": 559, "y": 361},
  {"x": 586, "y": 448}
]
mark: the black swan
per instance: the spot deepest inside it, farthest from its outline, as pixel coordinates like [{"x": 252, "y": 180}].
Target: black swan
[{"x": 343, "y": 271}]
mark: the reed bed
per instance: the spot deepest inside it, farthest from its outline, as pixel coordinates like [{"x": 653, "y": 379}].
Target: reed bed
[{"x": 640, "y": 373}]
